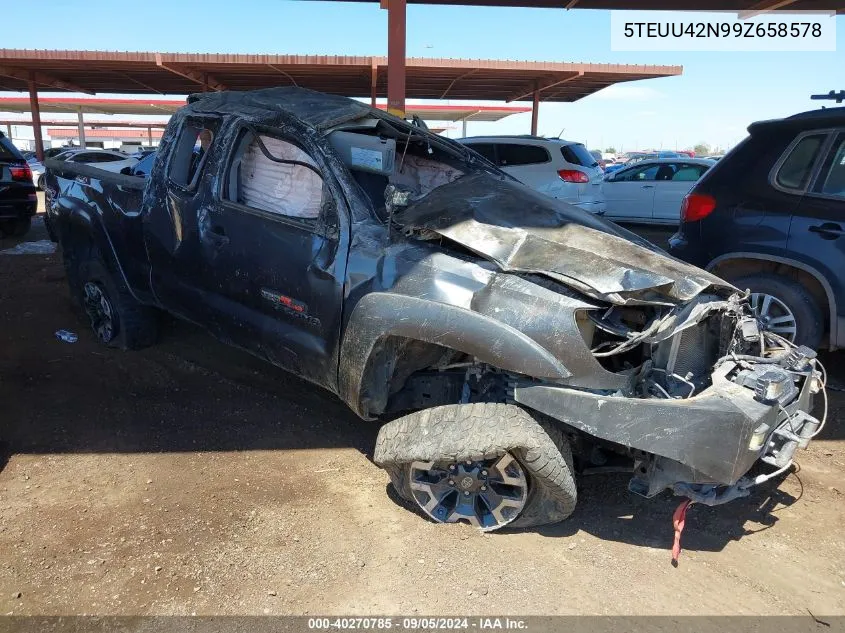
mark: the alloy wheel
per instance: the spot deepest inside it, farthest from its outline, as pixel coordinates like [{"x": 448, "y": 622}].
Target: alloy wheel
[
  {"x": 488, "y": 494},
  {"x": 100, "y": 312},
  {"x": 774, "y": 315}
]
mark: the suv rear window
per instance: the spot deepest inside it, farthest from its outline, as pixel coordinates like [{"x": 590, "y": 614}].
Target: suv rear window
[
  {"x": 9, "y": 151},
  {"x": 795, "y": 170},
  {"x": 577, "y": 154},
  {"x": 512, "y": 155}
]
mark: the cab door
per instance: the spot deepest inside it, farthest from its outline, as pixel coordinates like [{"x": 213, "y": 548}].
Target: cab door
[
  {"x": 170, "y": 223},
  {"x": 273, "y": 244}
]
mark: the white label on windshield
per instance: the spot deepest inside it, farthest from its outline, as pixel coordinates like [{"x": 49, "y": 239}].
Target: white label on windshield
[{"x": 369, "y": 158}]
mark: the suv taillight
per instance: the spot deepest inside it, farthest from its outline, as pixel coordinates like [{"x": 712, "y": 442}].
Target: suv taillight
[
  {"x": 573, "y": 175},
  {"x": 696, "y": 206},
  {"x": 23, "y": 174}
]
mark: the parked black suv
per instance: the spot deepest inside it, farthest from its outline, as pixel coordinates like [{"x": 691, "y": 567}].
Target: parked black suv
[
  {"x": 770, "y": 217},
  {"x": 18, "y": 202}
]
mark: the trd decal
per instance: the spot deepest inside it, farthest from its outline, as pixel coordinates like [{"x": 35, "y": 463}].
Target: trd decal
[{"x": 289, "y": 306}]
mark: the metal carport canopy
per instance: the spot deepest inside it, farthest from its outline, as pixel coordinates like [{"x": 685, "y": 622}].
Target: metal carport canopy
[
  {"x": 427, "y": 78},
  {"x": 647, "y": 5}
]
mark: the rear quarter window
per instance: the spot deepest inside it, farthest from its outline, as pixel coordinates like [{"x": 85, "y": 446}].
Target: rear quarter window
[{"x": 797, "y": 165}]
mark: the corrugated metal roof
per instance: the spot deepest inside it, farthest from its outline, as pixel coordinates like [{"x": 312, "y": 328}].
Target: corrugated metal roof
[{"x": 426, "y": 78}]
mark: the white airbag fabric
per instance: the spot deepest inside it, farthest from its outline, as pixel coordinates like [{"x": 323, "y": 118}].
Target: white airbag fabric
[{"x": 291, "y": 190}]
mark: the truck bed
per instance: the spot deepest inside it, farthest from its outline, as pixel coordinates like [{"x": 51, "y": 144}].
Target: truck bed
[{"x": 112, "y": 204}]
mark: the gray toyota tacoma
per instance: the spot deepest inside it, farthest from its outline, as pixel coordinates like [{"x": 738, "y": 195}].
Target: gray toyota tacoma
[{"x": 509, "y": 340}]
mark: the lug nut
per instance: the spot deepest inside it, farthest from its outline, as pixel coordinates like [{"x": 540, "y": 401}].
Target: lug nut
[
  {"x": 452, "y": 467},
  {"x": 451, "y": 482},
  {"x": 483, "y": 473},
  {"x": 484, "y": 487},
  {"x": 469, "y": 462},
  {"x": 466, "y": 493}
]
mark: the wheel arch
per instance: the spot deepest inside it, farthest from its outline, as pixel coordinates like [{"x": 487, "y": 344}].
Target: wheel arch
[
  {"x": 78, "y": 225},
  {"x": 822, "y": 291},
  {"x": 381, "y": 318}
]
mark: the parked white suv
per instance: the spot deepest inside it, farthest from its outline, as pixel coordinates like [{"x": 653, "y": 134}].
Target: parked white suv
[{"x": 560, "y": 169}]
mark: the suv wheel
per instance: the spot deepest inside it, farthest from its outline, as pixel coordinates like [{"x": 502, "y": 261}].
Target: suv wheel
[
  {"x": 785, "y": 308},
  {"x": 485, "y": 464},
  {"x": 15, "y": 228}
]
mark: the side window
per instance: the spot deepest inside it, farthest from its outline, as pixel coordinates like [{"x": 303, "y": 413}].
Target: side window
[
  {"x": 487, "y": 150},
  {"x": 190, "y": 153},
  {"x": 665, "y": 171},
  {"x": 108, "y": 158},
  {"x": 831, "y": 182},
  {"x": 689, "y": 173},
  {"x": 513, "y": 155},
  {"x": 795, "y": 170},
  {"x": 645, "y": 173},
  {"x": 290, "y": 189}
]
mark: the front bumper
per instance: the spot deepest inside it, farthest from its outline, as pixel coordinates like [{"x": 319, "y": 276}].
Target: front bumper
[{"x": 705, "y": 439}]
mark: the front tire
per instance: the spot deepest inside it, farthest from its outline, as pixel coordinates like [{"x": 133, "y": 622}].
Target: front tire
[
  {"x": 116, "y": 318},
  {"x": 785, "y": 308},
  {"x": 484, "y": 442}
]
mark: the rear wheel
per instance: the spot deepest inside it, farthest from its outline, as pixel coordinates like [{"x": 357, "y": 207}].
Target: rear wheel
[
  {"x": 15, "y": 228},
  {"x": 489, "y": 465},
  {"x": 116, "y": 318},
  {"x": 784, "y": 307}
]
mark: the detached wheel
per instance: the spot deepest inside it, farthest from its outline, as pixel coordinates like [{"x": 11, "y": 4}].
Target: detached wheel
[
  {"x": 489, "y": 465},
  {"x": 15, "y": 228},
  {"x": 785, "y": 308},
  {"x": 116, "y": 318}
]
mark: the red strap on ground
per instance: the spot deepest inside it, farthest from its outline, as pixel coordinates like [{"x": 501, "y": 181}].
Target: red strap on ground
[{"x": 678, "y": 520}]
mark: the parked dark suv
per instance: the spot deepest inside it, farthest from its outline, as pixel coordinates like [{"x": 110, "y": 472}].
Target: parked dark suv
[
  {"x": 770, "y": 217},
  {"x": 18, "y": 202}
]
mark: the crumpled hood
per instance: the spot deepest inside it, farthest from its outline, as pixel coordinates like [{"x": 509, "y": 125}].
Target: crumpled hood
[{"x": 524, "y": 231}]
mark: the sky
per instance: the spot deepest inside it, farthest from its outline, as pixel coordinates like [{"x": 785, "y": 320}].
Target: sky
[{"x": 714, "y": 100}]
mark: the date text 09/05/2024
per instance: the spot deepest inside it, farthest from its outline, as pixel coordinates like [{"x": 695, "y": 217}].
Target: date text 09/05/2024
[{"x": 418, "y": 623}]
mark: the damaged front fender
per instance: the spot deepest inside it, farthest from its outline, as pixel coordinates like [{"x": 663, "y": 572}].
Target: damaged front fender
[{"x": 380, "y": 315}]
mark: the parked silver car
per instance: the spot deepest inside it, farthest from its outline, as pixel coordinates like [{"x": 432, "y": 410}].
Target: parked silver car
[{"x": 650, "y": 191}]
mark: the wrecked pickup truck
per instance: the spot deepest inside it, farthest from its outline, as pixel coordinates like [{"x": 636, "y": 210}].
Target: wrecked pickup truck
[{"x": 511, "y": 338}]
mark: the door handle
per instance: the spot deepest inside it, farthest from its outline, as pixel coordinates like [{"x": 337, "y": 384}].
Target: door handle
[
  {"x": 828, "y": 230},
  {"x": 648, "y": 186}
]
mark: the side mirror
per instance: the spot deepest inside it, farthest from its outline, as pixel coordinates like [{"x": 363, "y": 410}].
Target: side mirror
[{"x": 126, "y": 171}]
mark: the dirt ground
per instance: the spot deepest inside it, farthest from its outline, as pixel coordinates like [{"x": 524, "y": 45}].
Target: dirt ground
[{"x": 191, "y": 478}]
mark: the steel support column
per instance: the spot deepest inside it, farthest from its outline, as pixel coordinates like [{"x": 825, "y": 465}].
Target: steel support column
[
  {"x": 373, "y": 84},
  {"x": 396, "y": 18},
  {"x": 36, "y": 119},
  {"x": 535, "y": 109},
  {"x": 81, "y": 124},
  {"x": 150, "y": 136},
  {"x": 9, "y": 130}
]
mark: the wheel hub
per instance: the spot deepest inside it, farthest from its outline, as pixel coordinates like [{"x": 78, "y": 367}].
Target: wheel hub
[
  {"x": 100, "y": 312},
  {"x": 486, "y": 493},
  {"x": 774, "y": 315}
]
